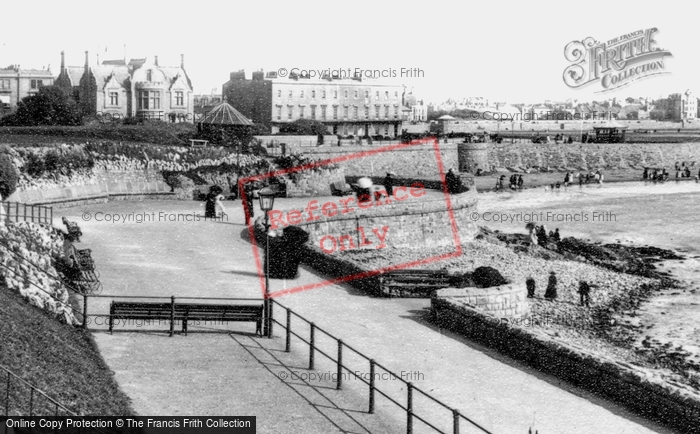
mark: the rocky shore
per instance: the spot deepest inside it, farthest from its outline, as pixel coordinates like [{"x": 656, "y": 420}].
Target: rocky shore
[{"x": 625, "y": 276}]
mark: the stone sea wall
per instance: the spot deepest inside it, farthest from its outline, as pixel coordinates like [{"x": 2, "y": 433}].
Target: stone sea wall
[
  {"x": 417, "y": 221},
  {"x": 641, "y": 392},
  {"x": 419, "y": 161},
  {"x": 505, "y": 301}
]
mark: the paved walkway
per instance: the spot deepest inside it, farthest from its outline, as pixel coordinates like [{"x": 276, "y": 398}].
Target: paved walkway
[{"x": 239, "y": 374}]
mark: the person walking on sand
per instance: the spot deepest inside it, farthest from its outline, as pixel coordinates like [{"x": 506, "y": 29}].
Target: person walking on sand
[
  {"x": 551, "y": 292},
  {"x": 530, "y": 284}
]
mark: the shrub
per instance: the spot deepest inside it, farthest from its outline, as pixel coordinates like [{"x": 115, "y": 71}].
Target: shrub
[
  {"x": 8, "y": 175},
  {"x": 487, "y": 277}
]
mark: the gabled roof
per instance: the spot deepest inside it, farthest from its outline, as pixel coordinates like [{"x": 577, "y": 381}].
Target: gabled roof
[
  {"x": 103, "y": 73},
  {"x": 172, "y": 72},
  {"x": 225, "y": 114}
]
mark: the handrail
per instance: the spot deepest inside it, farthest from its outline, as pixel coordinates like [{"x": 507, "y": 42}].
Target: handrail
[
  {"x": 456, "y": 416},
  {"x": 45, "y": 215},
  {"x": 34, "y": 389}
]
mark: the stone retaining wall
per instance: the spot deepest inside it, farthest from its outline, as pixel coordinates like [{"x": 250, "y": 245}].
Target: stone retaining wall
[
  {"x": 505, "y": 301},
  {"x": 413, "y": 223},
  {"x": 648, "y": 396}
]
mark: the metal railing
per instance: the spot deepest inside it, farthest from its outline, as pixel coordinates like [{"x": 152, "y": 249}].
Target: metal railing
[
  {"x": 15, "y": 212},
  {"x": 411, "y": 390},
  {"x": 13, "y": 382}
]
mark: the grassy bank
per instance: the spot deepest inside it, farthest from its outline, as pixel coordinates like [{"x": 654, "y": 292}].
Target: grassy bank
[{"x": 61, "y": 360}]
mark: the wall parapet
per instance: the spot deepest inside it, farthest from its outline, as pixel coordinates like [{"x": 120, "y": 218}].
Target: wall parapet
[
  {"x": 505, "y": 301},
  {"x": 646, "y": 395}
]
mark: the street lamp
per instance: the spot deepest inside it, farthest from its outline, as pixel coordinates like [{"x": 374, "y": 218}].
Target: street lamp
[{"x": 267, "y": 200}]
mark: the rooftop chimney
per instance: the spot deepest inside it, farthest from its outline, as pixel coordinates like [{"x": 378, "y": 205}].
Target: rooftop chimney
[
  {"x": 155, "y": 60},
  {"x": 63, "y": 61},
  {"x": 86, "y": 59},
  {"x": 182, "y": 61}
]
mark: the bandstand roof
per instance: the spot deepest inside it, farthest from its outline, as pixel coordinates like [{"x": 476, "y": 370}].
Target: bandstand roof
[{"x": 225, "y": 114}]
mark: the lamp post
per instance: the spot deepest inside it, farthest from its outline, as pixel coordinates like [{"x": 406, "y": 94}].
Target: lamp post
[{"x": 267, "y": 200}]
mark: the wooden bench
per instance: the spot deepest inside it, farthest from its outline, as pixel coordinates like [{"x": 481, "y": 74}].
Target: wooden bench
[
  {"x": 414, "y": 283},
  {"x": 185, "y": 312}
]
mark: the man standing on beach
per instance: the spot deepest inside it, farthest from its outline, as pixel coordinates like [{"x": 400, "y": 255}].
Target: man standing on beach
[{"x": 584, "y": 288}]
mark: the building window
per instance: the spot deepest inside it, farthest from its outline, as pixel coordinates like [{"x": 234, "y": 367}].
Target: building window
[
  {"x": 149, "y": 100},
  {"x": 377, "y": 111},
  {"x": 301, "y": 94},
  {"x": 335, "y": 94},
  {"x": 346, "y": 94},
  {"x": 114, "y": 98},
  {"x": 345, "y": 112},
  {"x": 179, "y": 98},
  {"x": 386, "y": 95},
  {"x": 301, "y": 111},
  {"x": 396, "y": 111},
  {"x": 366, "y": 112},
  {"x": 4, "y": 83},
  {"x": 386, "y": 111},
  {"x": 290, "y": 94},
  {"x": 313, "y": 112},
  {"x": 313, "y": 94},
  {"x": 323, "y": 94},
  {"x": 356, "y": 94},
  {"x": 279, "y": 93},
  {"x": 355, "y": 112},
  {"x": 36, "y": 84},
  {"x": 323, "y": 112},
  {"x": 335, "y": 112},
  {"x": 377, "y": 95},
  {"x": 289, "y": 112},
  {"x": 149, "y": 75},
  {"x": 279, "y": 113},
  {"x": 366, "y": 94}
]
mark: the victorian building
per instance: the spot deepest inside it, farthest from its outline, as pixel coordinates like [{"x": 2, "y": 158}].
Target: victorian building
[
  {"x": 17, "y": 83},
  {"x": 347, "y": 106},
  {"x": 140, "y": 88}
]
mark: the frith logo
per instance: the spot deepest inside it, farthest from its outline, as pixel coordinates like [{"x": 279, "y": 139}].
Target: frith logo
[{"x": 615, "y": 63}]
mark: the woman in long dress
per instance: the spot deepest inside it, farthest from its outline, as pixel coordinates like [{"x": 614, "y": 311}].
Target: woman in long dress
[{"x": 219, "y": 206}]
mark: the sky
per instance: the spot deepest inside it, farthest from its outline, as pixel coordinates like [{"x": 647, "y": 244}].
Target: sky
[{"x": 511, "y": 51}]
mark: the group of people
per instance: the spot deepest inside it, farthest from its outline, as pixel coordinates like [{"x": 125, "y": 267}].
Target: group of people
[
  {"x": 516, "y": 182},
  {"x": 682, "y": 171},
  {"x": 540, "y": 237},
  {"x": 550, "y": 294},
  {"x": 214, "y": 207}
]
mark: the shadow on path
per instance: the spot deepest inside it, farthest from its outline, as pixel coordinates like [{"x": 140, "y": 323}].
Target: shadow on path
[
  {"x": 423, "y": 317},
  {"x": 318, "y": 396}
]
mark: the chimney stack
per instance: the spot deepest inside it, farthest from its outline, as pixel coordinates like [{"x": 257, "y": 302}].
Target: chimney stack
[
  {"x": 86, "y": 59},
  {"x": 155, "y": 60},
  {"x": 182, "y": 61},
  {"x": 63, "y": 61}
]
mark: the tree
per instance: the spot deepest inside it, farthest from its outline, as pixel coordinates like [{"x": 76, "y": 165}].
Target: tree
[
  {"x": 304, "y": 127},
  {"x": 633, "y": 115},
  {"x": 48, "y": 107},
  {"x": 8, "y": 174},
  {"x": 629, "y": 100}
]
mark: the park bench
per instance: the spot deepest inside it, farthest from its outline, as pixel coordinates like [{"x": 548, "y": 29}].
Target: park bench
[
  {"x": 185, "y": 312},
  {"x": 413, "y": 283}
]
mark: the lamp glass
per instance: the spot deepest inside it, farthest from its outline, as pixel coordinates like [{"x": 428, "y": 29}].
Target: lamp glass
[{"x": 267, "y": 199}]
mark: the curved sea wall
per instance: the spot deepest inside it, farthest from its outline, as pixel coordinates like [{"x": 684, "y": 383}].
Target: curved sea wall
[{"x": 412, "y": 219}]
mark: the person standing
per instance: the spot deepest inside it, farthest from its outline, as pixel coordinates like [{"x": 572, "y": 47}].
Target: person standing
[
  {"x": 584, "y": 289},
  {"x": 248, "y": 208},
  {"x": 389, "y": 184},
  {"x": 530, "y": 283},
  {"x": 520, "y": 182},
  {"x": 551, "y": 292}
]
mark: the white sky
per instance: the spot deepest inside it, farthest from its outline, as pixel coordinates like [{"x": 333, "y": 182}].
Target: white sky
[{"x": 504, "y": 50}]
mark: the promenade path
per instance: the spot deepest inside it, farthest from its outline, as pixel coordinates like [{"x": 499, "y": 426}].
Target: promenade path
[{"x": 240, "y": 374}]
